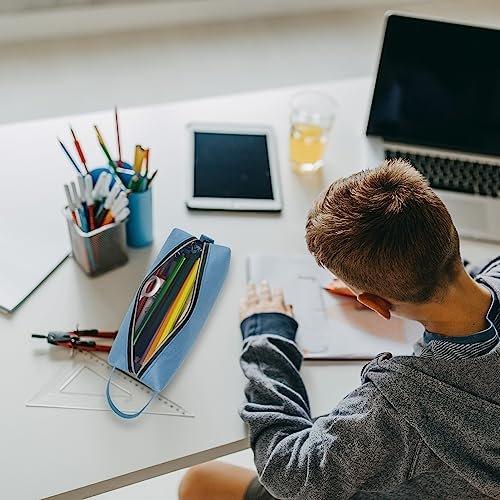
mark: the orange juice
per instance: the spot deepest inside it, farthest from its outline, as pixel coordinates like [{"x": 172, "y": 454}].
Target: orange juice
[{"x": 307, "y": 146}]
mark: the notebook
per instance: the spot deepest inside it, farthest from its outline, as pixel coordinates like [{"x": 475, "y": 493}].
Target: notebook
[
  {"x": 34, "y": 239},
  {"x": 331, "y": 326}
]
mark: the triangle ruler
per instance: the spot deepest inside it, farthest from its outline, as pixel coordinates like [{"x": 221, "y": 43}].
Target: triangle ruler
[{"x": 81, "y": 385}]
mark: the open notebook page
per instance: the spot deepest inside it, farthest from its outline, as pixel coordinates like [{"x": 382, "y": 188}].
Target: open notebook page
[{"x": 330, "y": 326}]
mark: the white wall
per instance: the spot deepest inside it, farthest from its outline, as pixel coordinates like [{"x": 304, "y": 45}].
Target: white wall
[{"x": 73, "y": 75}]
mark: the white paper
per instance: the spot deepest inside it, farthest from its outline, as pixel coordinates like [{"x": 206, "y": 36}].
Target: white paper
[{"x": 331, "y": 326}]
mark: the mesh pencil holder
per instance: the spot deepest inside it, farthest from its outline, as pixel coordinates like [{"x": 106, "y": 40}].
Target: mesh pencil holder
[{"x": 100, "y": 250}]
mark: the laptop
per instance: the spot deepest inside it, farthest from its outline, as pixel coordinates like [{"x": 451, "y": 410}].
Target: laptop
[{"x": 436, "y": 102}]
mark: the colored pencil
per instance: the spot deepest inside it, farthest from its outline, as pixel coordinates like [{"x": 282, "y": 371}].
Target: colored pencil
[
  {"x": 150, "y": 179},
  {"x": 160, "y": 294},
  {"x": 104, "y": 148},
  {"x": 79, "y": 149},
  {"x": 174, "y": 313},
  {"x": 150, "y": 327},
  {"x": 71, "y": 159},
  {"x": 118, "y": 138}
]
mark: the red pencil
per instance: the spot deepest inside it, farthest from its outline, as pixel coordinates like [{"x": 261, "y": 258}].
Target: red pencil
[{"x": 79, "y": 150}]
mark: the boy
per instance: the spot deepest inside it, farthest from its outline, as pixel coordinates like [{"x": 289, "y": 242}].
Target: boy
[{"x": 418, "y": 427}]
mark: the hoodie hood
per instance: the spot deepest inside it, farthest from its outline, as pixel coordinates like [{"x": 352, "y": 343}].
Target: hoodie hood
[{"x": 455, "y": 407}]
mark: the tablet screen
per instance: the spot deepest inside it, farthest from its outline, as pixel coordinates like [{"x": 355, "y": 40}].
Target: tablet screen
[{"x": 231, "y": 166}]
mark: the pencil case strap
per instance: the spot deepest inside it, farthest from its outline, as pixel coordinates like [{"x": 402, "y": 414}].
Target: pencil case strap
[{"x": 116, "y": 410}]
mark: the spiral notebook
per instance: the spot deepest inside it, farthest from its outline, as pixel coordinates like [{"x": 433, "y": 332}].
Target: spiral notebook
[{"x": 330, "y": 326}]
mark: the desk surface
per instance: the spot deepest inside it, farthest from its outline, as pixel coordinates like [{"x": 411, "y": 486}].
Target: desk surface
[{"x": 50, "y": 451}]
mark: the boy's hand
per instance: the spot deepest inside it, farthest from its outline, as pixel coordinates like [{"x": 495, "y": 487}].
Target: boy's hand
[{"x": 266, "y": 301}]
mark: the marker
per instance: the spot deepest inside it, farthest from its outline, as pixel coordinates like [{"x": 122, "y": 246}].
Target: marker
[
  {"x": 69, "y": 157},
  {"x": 104, "y": 148},
  {"x": 83, "y": 198},
  {"x": 90, "y": 201},
  {"x": 119, "y": 204},
  {"x": 122, "y": 215},
  {"x": 78, "y": 205},
  {"x": 103, "y": 209},
  {"x": 98, "y": 186},
  {"x": 116, "y": 213},
  {"x": 71, "y": 206},
  {"x": 79, "y": 149}
]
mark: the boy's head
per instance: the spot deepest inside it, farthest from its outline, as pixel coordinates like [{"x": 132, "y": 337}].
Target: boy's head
[{"x": 384, "y": 232}]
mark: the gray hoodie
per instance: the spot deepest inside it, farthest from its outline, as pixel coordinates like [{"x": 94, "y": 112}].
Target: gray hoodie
[{"x": 416, "y": 427}]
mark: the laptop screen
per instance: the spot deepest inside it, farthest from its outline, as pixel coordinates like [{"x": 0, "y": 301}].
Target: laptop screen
[{"x": 438, "y": 85}]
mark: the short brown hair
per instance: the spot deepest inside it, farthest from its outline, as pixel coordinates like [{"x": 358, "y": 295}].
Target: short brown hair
[{"x": 384, "y": 231}]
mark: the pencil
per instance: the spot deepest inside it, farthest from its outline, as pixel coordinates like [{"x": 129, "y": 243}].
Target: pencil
[
  {"x": 79, "y": 150},
  {"x": 160, "y": 295},
  {"x": 71, "y": 159},
  {"x": 174, "y": 313},
  {"x": 118, "y": 138},
  {"x": 104, "y": 148},
  {"x": 150, "y": 179},
  {"x": 138, "y": 157}
]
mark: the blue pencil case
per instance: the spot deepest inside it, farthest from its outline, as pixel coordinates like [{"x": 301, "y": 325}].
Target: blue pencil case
[{"x": 168, "y": 311}]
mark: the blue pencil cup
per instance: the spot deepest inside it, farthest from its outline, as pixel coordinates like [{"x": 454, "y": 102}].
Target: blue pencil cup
[{"x": 140, "y": 220}]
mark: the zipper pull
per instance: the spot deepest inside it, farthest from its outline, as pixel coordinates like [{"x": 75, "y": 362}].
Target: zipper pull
[{"x": 206, "y": 239}]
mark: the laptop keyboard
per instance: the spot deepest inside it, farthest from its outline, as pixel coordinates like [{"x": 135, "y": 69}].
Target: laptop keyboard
[{"x": 454, "y": 175}]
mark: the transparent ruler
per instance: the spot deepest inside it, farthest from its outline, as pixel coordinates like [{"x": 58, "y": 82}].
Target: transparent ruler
[{"x": 81, "y": 385}]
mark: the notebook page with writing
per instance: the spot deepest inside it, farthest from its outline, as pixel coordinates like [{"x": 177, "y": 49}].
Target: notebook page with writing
[{"x": 330, "y": 326}]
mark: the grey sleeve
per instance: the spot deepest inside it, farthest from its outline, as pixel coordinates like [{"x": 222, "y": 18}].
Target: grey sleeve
[
  {"x": 489, "y": 267},
  {"x": 361, "y": 445}
]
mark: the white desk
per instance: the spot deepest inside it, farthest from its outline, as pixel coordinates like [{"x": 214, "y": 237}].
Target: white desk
[{"x": 50, "y": 451}]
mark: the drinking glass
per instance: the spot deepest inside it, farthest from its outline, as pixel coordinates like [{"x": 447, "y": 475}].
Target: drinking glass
[{"x": 312, "y": 116}]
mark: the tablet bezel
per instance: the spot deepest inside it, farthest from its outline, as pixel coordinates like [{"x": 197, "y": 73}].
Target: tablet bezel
[{"x": 250, "y": 204}]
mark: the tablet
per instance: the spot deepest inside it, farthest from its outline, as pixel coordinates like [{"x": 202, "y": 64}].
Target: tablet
[{"x": 233, "y": 167}]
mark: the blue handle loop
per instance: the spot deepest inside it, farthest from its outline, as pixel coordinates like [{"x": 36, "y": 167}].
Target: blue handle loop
[{"x": 117, "y": 410}]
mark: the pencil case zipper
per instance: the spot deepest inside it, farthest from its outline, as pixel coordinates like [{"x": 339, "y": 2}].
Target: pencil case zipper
[{"x": 187, "y": 309}]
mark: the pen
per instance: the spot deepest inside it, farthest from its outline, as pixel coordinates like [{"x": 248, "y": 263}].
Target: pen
[
  {"x": 120, "y": 202},
  {"x": 116, "y": 215},
  {"x": 103, "y": 209},
  {"x": 79, "y": 207},
  {"x": 90, "y": 201},
  {"x": 101, "y": 189},
  {"x": 79, "y": 150},
  {"x": 104, "y": 148},
  {"x": 71, "y": 206},
  {"x": 69, "y": 157}
]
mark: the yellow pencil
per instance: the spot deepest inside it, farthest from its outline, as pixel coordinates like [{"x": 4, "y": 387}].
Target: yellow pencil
[
  {"x": 173, "y": 313},
  {"x": 138, "y": 158}
]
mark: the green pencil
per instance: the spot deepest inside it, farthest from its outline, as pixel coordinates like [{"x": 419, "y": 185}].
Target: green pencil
[
  {"x": 104, "y": 148},
  {"x": 160, "y": 294}
]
